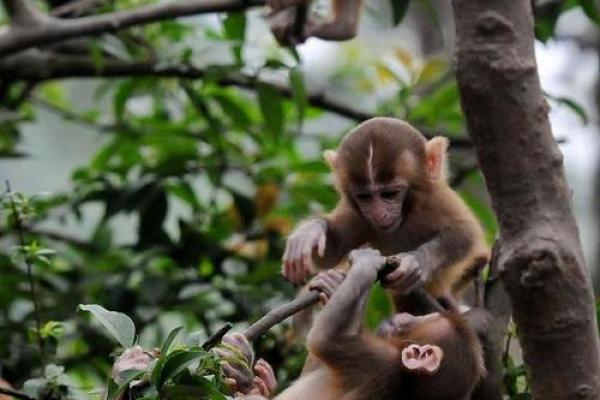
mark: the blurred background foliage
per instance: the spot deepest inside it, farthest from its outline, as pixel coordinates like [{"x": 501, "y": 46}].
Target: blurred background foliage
[{"x": 180, "y": 216}]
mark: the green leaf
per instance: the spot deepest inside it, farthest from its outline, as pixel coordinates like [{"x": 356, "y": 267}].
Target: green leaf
[
  {"x": 590, "y": 9},
  {"x": 271, "y": 106},
  {"x": 173, "y": 363},
  {"x": 201, "y": 389},
  {"x": 119, "y": 325},
  {"x": 399, "y": 9},
  {"x": 571, "y": 104},
  {"x": 378, "y": 307},
  {"x": 235, "y": 29},
  {"x": 165, "y": 347},
  {"x": 114, "y": 391},
  {"x": 299, "y": 90}
]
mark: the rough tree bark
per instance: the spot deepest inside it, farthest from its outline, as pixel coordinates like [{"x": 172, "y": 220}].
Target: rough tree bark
[{"x": 539, "y": 255}]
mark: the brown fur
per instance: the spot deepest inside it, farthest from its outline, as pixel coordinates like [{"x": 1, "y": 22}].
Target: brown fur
[{"x": 436, "y": 223}]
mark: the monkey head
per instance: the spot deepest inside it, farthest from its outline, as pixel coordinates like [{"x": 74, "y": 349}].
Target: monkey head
[
  {"x": 380, "y": 162},
  {"x": 439, "y": 351}
]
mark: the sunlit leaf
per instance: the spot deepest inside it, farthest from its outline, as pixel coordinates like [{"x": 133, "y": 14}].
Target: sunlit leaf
[{"x": 119, "y": 325}]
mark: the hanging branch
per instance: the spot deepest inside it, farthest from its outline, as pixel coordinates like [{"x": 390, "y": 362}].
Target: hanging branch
[{"x": 21, "y": 236}]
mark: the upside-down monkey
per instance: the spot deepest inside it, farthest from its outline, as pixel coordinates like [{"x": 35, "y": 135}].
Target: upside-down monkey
[
  {"x": 433, "y": 357},
  {"x": 394, "y": 196}
]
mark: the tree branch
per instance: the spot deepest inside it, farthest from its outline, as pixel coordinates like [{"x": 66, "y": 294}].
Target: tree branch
[
  {"x": 14, "y": 394},
  {"x": 52, "y": 30},
  {"x": 40, "y": 65},
  {"x": 538, "y": 255},
  {"x": 22, "y": 13}
]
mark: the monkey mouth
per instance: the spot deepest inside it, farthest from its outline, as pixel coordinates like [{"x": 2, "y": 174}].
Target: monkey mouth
[{"x": 391, "y": 226}]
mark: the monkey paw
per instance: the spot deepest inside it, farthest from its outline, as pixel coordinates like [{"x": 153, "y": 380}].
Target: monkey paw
[
  {"x": 326, "y": 283},
  {"x": 297, "y": 258},
  {"x": 409, "y": 275},
  {"x": 367, "y": 259}
]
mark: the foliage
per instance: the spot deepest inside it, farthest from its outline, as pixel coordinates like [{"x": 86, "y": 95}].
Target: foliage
[{"x": 189, "y": 198}]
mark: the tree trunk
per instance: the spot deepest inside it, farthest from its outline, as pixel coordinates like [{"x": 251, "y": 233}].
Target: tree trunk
[{"x": 538, "y": 253}]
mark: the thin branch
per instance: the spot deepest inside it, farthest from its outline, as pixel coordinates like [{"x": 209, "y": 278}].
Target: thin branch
[
  {"x": 15, "y": 394},
  {"x": 53, "y": 30},
  {"x": 38, "y": 65},
  {"x": 273, "y": 317},
  {"x": 21, "y": 236}
]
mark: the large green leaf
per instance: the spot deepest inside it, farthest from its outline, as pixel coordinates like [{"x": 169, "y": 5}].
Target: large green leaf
[{"x": 119, "y": 325}]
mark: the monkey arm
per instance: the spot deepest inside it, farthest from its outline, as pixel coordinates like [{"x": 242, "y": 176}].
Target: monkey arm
[
  {"x": 345, "y": 231},
  {"x": 338, "y": 327}
]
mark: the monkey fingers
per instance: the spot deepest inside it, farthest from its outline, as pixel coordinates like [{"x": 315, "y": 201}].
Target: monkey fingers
[
  {"x": 243, "y": 378},
  {"x": 265, "y": 377}
]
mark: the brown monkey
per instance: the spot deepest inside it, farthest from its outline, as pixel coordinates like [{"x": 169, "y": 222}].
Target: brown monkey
[
  {"x": 394, "y": 197},
  {"x": 433, "y": 357},
  {"x": 342, "y": 25}
]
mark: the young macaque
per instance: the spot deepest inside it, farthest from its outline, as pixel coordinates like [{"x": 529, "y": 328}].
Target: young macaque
[
  {"x": 395, "y": 198},
  {"x": 433, "y": 357},
  {"x": 342, "y": 25}
]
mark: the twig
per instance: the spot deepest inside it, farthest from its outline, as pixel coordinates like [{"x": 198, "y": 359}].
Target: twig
[
  {"x": 19, "y": 229},
  {"x": 15, "y": 394},
  {"x": 53, "y": 30},
  {"x": 273, "y": 317},
  {"x": 216, "y": 338}
]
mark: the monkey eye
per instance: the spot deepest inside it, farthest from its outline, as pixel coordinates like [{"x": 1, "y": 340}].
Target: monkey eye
[
  {"x": 363, "y": 196},
  {"x": 389, "y": 194}
]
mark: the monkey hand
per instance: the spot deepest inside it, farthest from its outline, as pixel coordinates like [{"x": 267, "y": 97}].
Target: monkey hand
[
  {"x": 238, "y": 356},
  {"x": 133, "y": 358},
  {"x": 326, "y": 283},
  {"x": 409, "y": 275},
  {"x": 366, "y": 261},
  {"x": 297, "y": 258}
]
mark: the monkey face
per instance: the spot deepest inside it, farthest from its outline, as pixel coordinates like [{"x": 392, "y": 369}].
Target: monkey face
[{"x": 381, "y": 205}]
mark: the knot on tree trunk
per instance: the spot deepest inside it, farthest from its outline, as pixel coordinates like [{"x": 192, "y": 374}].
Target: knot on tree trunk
[
  {"x": 533, "y": 263},
  {"x": 493, "y": 26}
]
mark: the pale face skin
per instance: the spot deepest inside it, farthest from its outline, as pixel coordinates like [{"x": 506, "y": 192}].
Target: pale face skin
[{"x": 381, "y": 205}]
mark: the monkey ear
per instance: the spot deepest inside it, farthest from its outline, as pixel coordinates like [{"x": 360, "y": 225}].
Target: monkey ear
[
  {"x": 435, "y": 158},
  {"x": 331, "y": 157},
  {"x": 424, "y": 359}
]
